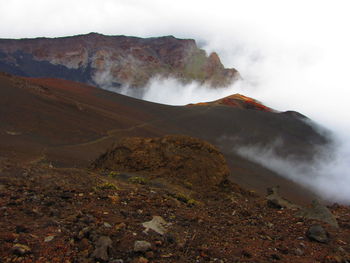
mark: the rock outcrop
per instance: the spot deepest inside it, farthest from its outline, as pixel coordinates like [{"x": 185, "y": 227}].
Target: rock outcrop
[
  {"x": 113, "y": 61},
  {"x": 182, "y": 160}
]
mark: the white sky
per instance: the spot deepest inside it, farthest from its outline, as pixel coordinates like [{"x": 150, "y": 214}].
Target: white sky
[{"x": 293, "y": 54}]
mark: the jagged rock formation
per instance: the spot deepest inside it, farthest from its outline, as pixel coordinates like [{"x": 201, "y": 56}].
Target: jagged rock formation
[{"x": 115, "y": 61}]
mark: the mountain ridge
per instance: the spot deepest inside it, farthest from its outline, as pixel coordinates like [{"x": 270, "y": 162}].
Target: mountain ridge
[{"x": 113, "y": 61}]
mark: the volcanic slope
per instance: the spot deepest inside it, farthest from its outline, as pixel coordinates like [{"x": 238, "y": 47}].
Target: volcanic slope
[
  {"x": 149, "y": 198},
  {"x": 69, "y": 124}
]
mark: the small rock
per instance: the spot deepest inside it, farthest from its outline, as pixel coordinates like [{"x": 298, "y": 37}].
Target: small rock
[
  {"x": 342, "y": 250},
  {"x": 21, "y": 250},
  {"x": 85, "y": 232},
  {"x": 116, "y": 261},
  {"x": 157, "y": 224},
  {"x": 142, "y": 246},
  {"x": 269, "y": 225},
  {"x": 119, "y": 226},
  {"x": 49, "y": 238},
  {"x": 105, "y": 224},
  {"x": 299, "y": 252},
  {"x": 275, "y": 200},
  {"x": 101, "y": 248},
  {"x": 318, "y": 233},
  {"x": 320, "y": 212}
]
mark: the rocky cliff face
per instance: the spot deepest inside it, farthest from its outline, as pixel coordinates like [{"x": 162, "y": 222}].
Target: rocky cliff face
[{"x": 115, "y": 61}]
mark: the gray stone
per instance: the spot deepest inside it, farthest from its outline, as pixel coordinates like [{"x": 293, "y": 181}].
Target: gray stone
[
  {"x": 157, "y": 224},
  {"x": 142, "y": 246},
  {"x": 102, "y": 246},
  {"x": 319, "y": 212},
  {"x": 318, "y": 233},
  {"x": 275, "y": 200},
  {"x": 49, "y": 238},
  {"x": 108, "y": 225}
]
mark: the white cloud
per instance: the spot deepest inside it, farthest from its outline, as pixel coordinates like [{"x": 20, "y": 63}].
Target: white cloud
[{"x": 326, "y": 176}]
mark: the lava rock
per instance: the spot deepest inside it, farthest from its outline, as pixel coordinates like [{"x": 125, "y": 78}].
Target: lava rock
[
  {"x": 275, "y": 200},
  {"x": 320, "y": 212},
  {"x": 102, "y": 246},
  {"x": 142, "y": 246},
  {"x": 318, "y": 233}
]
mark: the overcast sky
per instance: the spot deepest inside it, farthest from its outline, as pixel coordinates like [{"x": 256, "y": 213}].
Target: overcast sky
[{"x": 292, "y": 54}]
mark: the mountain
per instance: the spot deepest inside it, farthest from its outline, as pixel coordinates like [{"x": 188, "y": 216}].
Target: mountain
[
  {"x": 69, "y": 124},
  {"x": 116, "y": 61},
  {"x": 237, "y": 101},
  {"x": 87, "y": 175}
]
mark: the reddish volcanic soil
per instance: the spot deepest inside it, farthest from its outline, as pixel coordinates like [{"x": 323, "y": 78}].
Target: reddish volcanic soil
[
  {"x": 72, "y": 215},
  {"x": 238, "y": 101},
  {"x": 77, "y": 186},
  {"x": 69, "y": 124}
]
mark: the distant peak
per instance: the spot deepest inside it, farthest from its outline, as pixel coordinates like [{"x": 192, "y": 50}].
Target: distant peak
[{"x": 238, "y": 101}]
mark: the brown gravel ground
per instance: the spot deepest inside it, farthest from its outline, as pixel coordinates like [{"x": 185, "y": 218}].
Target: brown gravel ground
[{"x": 75, "y": 207}]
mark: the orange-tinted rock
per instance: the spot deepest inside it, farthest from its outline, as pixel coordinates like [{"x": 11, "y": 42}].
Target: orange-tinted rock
[{"x": 238, "y": 101}]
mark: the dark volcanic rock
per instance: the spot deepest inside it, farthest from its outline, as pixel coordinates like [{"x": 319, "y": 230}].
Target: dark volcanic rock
[
  {"x": 113, "y": 60},
  {"x": 142, "y": 246},
  {"x": 318, "y": 233},
  {"x": 102, "y": 247},
  {"x": 319, "y": 212}
]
